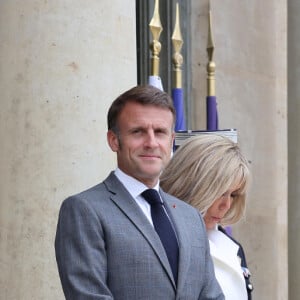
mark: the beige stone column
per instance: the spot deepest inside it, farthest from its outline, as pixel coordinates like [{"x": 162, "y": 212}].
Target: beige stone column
[
  {"x": 294, "y": 146},
  {"x": 251, "y": 87},
  {"x": 61, "y": 65}
]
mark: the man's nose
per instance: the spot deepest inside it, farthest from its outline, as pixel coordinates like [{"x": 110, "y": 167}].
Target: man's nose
[{"x": 151, "y": 140}]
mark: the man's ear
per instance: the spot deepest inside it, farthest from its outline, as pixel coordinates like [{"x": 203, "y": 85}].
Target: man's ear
[
  {"x": 173, "y": 137},
  {"x": 113, "y": 141}
]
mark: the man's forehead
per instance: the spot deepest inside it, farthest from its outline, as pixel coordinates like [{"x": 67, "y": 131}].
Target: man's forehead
[
  {"x": 149, "y": 123},
  {"x": 146, "y": 113}
]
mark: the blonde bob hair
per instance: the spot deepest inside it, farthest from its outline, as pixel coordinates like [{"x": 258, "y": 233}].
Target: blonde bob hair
[{"x": 205, "y": 167}]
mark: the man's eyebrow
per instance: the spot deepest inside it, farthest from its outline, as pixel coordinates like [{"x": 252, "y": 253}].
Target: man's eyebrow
[
  {"x": 160, "y": 128},
  {"x": 134, "y": 128}
]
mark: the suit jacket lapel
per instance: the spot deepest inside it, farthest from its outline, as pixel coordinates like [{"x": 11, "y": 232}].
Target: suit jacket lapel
[
  {"x": 183, "y": 239},
  {"x": 224, "y": 251},
  {"x": 122, "y": 198}
]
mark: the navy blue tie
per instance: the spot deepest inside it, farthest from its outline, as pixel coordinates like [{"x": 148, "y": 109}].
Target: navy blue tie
[{"x": 163, "y": 227}]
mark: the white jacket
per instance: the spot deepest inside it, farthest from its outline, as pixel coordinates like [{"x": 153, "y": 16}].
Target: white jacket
[{"x": 227, "y": 265}]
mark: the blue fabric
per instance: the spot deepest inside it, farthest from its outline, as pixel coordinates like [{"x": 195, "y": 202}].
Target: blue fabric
[
  {"x": 211, "y": 113},
  {"x": 177, "y": 95},
  {"x": 164, "y": 228}
]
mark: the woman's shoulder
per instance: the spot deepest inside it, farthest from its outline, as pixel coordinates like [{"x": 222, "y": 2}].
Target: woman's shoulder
[
  {"x": 223, "y": 230},
  {"x": 241, "y": 254}
]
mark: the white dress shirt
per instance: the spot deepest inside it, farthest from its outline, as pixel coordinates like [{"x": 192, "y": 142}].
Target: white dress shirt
[{"x": 135, "y": 188}]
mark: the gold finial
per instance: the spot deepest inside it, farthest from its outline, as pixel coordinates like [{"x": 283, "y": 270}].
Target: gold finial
[
  {"x": 177, "y": 44},
  {"x": 156, "y": 29},
  {"x": 210, "y": 42},
  {"x": 211, "y": 66}
]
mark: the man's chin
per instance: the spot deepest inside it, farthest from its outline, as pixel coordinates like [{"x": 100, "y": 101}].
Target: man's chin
[
  {"x": 151, "y": 167},
  {"x": 151, "y": 174}
]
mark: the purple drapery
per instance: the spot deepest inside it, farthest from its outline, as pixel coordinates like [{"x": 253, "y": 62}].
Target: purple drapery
[
  {"x": 211, "y": 113},
  {"x": 177, "y": 95}
]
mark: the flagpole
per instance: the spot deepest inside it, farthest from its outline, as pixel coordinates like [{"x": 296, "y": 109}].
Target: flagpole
[
  {"x": 211, "y": 100},
  {"x": 177, "y": 90},
  {"x": 156, "y": 29}
]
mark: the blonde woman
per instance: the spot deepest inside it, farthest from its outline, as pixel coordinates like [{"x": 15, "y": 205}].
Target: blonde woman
[{"x": 210, "y": 173}]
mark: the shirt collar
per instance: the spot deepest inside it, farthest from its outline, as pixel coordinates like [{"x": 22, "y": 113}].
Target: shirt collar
[{"x": 134, "y": 187}]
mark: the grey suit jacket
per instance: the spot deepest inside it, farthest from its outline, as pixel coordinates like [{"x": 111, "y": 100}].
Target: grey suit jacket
[{"x": 107, "y": 249}]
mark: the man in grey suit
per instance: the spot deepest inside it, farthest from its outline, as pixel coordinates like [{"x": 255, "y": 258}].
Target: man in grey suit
[{"x": 107, "y": 245}]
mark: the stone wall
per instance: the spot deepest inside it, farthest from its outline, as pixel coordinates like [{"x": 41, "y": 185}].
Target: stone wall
[
  {"x": 62, "y": 64},
  {"x": 251, "y": 86},
  {"x": 294, "y": 146}
]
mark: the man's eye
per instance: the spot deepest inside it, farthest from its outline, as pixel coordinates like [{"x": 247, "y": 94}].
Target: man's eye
[
  {"x": 136, "y": 131},
  {"x": 160, "y": 132}
]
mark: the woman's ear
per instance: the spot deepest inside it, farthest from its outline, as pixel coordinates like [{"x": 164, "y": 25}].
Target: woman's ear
[{"x": 113, "y": 141}]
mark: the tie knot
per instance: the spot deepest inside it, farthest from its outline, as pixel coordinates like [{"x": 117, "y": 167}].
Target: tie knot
[{"x": 151, "y": 196}]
